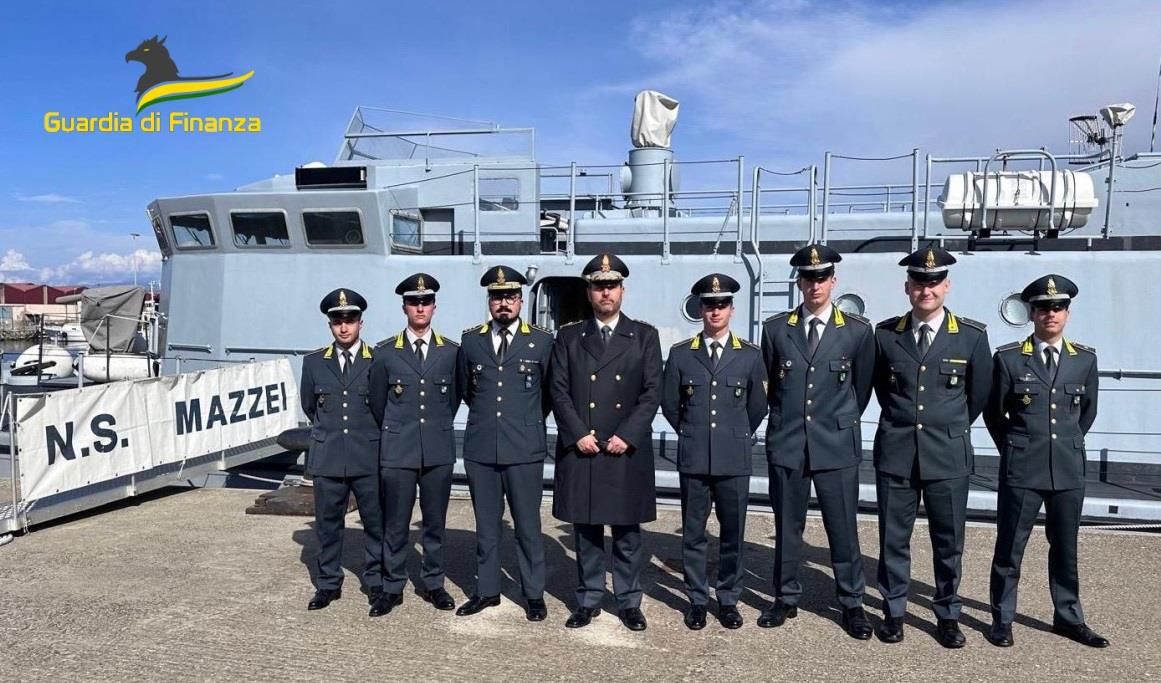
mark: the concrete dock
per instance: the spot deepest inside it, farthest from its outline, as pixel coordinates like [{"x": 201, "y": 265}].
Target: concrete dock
[{"x": 184, "y": 586}]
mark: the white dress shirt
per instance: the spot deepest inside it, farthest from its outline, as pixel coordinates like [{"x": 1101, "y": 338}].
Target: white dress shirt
[
  {"x": 1041, "y": 345},
  {"x": 412, "y": 338},
  {"x": 512, "y": 329},
  {"x": 936, "y": 324},
  {"x": 353, "y": 351},
  {"x": 708, "y": 341},
  {"x": 823, "y": 316}
]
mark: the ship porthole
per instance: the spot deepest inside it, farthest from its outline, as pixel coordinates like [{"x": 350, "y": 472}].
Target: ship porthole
[
  {"x": 691, "y": 308},
  {"x": 851, "y": 303},
  {"x": 1014, "y": 311}
]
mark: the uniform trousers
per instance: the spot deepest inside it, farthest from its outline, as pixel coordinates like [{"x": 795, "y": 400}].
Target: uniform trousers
[
  {"x": 945, "y": 501},
  {"x": 838, "y": 498},
  {"x": 1018, "y": 508},
  {"x": 729, "y": 496},
  {"x": 399, "y": 489},
  {"x": 331, "y": 495},
  {"x": 628, "y": 558},
  {"x": 523, "y": 485}
]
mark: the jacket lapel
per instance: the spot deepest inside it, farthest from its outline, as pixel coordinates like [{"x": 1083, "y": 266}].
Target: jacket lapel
[
  {"x": 904, "y": 338},
  {"x": 405, "y": 349},
  {"x": 797, "y": 335},
  {"x": 332, "y": 363},
  {"x": 591, "y": 339},
  {"x": 729, "y": 353},
  {"x": 701, "y": 353},
  {"x": 942, "y": 340},
  {"x": 1032, "y": 364},
  {"x": 620, "y": 340},
  {"x": 830, "y": 334}
]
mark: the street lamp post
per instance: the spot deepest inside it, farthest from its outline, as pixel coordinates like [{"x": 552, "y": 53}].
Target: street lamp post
[{"x": 135, "y": 235}]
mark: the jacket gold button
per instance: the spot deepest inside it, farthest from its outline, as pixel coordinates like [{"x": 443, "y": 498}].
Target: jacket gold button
[
  {"x": 809, "y": 402},
  {"x": 345, "y": 431},
  {"x": 592, "y": 405},
  {"x": 918, "y": 427},
  {"x": 808, "y": 418},
  {"x": 499, "y": 398},
  {"x": 592, "y": 378},
  {"x": 421, "y": 419},
  {"x": 921, "y": 406},
  {"x": 922, "y": 368},
  {"x": 714, "y": 383},
  {"x": 421, "y": 381},
  {"x": 618, "y": 406}
]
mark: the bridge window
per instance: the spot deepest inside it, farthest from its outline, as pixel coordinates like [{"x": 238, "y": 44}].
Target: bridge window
[
  {"x": 499, "y": 194},
  {"x": 406, "y": 231},
  {"x": 332, "y": 228},
  {"x": 192, "y": 230},
  {"x": 260, "y": 229}
]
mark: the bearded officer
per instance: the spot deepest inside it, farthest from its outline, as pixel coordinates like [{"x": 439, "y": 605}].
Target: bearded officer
[
  {"x": 414, "y": 397},
  {"x": 932, "y": 373},
  {"x": 503, "y": 368},
  {"x": 821, "y": 363},
  {"x": 344, "y": 452},
  {"x": 714, "y": 396},
  {"x": 1043, "y": 402},
  {"x": 606, "y": 383}
]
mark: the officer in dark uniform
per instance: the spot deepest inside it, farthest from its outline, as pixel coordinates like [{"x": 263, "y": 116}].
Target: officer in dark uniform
[
  {"x": 414, "y": 396},
  {"x": 821, "y": 363},
  {"x": 344, "y": 452},
  {"x": 606, "y": 387},
  {"x": 714, "y": 396},
  {"x": 932, "y": 372},
  {"x": 1043, "y": 402},
  {"x": 503, "y": 371}
]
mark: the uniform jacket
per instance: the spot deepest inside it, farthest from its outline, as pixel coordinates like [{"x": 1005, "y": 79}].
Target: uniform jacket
[
  {"x": 415, "y": 404},
  {"x": 714, "y": 411},
  {"x": 507, "y": 402},
  {"x": 816, "y": 401},
  {"x": 928, "y": 404},
  {"x": 605, "y": 392},
  {"x": 344, "y": 433},
  {"x": 1039, "y": 425}
]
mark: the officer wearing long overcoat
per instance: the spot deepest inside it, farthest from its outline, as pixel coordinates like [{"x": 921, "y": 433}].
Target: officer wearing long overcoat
[
  {"x": 344, "y": 452},
  {"x": 821, "y": 364},
  {"x": 414, "y": 397},
  {"x": 932, "y": 372},
  {"x": 503, "y": 371},
  {"x": 606, "y": 383},
  {"x": 714, "y": 397},
  {"x": 1043, "y": 402}
]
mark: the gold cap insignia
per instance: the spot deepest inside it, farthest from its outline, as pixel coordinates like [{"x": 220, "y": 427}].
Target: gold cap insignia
[
  {"x": 1051, "y": 287},
  {"x": 930, "y": 261},
  {"x": 499, "y": 275},
  {"x": 421, "y": 285},
  {"x": 814, "y": 259},
  {"x": 605, "y": 267},
  {"x": 342, "y": 297},
  {"x": 716, "y": 287}
]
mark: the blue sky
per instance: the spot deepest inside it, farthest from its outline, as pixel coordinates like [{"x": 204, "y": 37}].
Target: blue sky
[{"x": 780, "y": 81}]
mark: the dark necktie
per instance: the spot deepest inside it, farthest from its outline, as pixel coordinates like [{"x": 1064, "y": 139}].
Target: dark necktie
[
  {"x": 606, "y": 332},
  {"x": 503, "y": 351},
  {"x": 924, "y": 330},
  {"x": 419, "y": 350},
  {"x": 1050, "y": 361},
  {"x": 346, "y": 363},
  {"x": 812, "y": 338},
  {"x": 716, "y": 353}
]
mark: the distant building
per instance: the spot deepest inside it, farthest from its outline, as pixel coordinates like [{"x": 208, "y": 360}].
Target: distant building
[{"x": 25, "y": 293}]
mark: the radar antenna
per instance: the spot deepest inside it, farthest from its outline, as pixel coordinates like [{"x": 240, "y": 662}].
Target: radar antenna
[{"x": 1088, "y": 137}]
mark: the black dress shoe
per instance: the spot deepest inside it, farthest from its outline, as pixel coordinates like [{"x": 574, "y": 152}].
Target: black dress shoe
[
  {"x": 729, "y": 616},
  {"x": 948, "y": 634},
  {"x": 1081, "y": 633},
  {"x": 632, "y": 618},
  {"x": 384, "y": 603},
  {"x": 891, "y": 630},
  {"x": 777, "y": 614},
  {"x": 536, "y": 610},
  {"x": 1000, "y": 634},
  {"x": 476, "y": 604},
  {"x": 439, "y": 599},
  {"x": 695, "y": 617},
  {"x": 856, "y": 624},
  {"x": 323, "y": 597},
  {"x": 581, "y": 617}
]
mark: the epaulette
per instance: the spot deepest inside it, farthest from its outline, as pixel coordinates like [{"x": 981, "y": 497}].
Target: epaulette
[
  {"x": 450, "y": 342},
  {"x": 889, "y": 322},
  {"x": 321, "y": 349},
  {"x": 856, "y": 316},
  {"x": 777, "y": 315},
  {"x": 747, "y": 342},
  {"x": 471, "y": 328},
  {"x": 384, "y": 342},
  {"x": 642, "y": 323},
  {"x": 1009, "y": 347},
  {"x": 538, "y": 327},
  {"x": 972, "y": 323},
  {"x": 1083, "y": 347},
  {"x": 683, "y": 341},
  {"x": 575, "y": 322}
]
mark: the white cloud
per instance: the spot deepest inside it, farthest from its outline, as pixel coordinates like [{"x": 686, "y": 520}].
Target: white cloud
[
  {"x": 13, "y": 261},
  {"x": 215, "y": 176},
  {"x": 796, "y": 78},
  {"x": 50, "y": 198},
  {"x": 106, "y": 266}
]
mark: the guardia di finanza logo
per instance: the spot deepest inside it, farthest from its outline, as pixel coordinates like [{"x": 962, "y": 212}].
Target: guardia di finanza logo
[{"x": 162, "y": 82}]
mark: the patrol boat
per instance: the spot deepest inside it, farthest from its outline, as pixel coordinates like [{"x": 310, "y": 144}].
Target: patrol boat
[{"x": 452, "y": 198}]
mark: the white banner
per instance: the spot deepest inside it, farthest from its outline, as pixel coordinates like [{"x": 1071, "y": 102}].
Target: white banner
[{"x": 73, "y": 438}]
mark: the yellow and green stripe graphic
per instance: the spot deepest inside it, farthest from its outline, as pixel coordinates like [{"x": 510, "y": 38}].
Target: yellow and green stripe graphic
[{"x": 184, "y": 90}]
